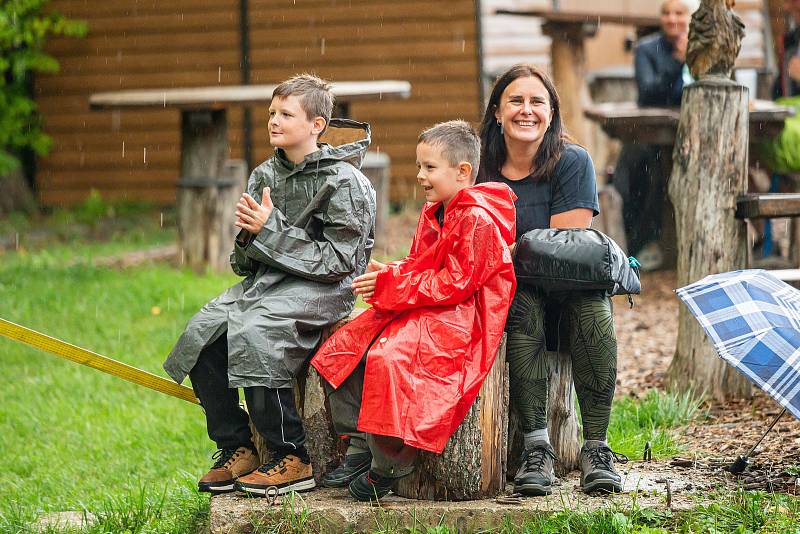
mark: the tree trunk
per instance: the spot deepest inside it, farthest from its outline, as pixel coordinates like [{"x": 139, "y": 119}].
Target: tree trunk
[
  {"x": 709, "y": 172},
  {"x": 610, "y": 219},
  {"x": 473, "y": 464},
  {"x": 17, "y": 194}
]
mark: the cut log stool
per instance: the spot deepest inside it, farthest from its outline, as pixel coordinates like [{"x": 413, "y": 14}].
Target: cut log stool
[{"x": 473, "y": 464}]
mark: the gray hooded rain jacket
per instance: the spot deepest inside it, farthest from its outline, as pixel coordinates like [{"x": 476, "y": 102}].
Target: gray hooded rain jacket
[{"x": 297, "y": 269}]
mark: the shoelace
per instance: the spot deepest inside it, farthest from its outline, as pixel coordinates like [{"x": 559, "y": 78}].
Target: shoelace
[
  {"x": 222, "y": 457},
  {"x": 274, "y": 462},
  {"x": 601, "y": 458},
  {"x": 535, "y": 458}
]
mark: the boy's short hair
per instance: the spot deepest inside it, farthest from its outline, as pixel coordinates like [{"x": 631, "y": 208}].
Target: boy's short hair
[
  {"x": 315, "y": 95},
  {"x": 458, "y": 142}
]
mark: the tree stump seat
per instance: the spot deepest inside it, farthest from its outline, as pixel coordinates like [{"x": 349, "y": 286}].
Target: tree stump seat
[{"x": 475, "y": 461}]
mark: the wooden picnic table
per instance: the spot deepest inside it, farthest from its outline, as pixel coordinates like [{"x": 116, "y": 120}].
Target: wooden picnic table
[
  {"x": 628, "y": 122},
  {"x": 207, "y": 190}
]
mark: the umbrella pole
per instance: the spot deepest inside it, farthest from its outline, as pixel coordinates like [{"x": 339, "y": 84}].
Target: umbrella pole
[
  {"x": 767, "y": 432},
  {"x": 741, "y": 462}
]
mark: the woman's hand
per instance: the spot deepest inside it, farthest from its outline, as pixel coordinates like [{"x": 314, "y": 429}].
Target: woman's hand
[{"x": 364, "y": 285}]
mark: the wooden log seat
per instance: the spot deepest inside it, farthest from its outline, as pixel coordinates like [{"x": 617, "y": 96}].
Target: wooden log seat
[{"x": 472, "y": 465}]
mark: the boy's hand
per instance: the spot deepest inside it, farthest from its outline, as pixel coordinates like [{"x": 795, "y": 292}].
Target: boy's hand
[
  {"x": 374, "y": 265},
  {"x": 364, "y": 285},
  {"x": 250, "y": 215}
]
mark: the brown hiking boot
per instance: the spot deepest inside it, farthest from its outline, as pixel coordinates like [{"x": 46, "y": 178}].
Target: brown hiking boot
[
  {"x": 230, "y": 464},
  {"x": 285, "y": 473}
]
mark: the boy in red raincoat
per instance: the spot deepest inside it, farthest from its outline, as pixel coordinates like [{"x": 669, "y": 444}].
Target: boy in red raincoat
[{"x": 415, "y": 361}]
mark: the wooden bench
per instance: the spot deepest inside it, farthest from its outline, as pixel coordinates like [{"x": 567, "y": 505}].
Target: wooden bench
[
  {"x": 775, "y": 206},
  {"x": 205, "y": 190}
]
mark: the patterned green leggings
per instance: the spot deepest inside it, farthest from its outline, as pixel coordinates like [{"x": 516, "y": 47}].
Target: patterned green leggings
[{"x": 593, "y": 346}]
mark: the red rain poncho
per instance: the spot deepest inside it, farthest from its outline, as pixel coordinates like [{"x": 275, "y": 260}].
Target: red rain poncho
[{"x": 436, "y": 322}]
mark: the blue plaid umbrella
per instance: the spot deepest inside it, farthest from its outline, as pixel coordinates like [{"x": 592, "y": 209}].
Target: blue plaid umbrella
[{"x": 753, "y": 320}]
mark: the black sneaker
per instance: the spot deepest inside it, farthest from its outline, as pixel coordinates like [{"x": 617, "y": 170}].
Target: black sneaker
[
  {"x": 535, "y": 476},
  {"x": 371, "y": 486},
  {"x": 597, "y": 468},
  {"x": 352, "y": 467}
]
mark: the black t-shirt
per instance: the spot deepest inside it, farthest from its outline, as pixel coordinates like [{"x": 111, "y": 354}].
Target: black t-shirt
[{"x": 573, "y": 185}]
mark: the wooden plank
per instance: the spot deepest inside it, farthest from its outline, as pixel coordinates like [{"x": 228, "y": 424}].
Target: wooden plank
[
  {"x": 429, "y": 69},
  {"x": 336, "y": 53},
  {"x": 57, "y": 197},
  {"x": 71, "y": 104},
  {"x": 241, "y": 94},
  {"x": 768, "y": 205},
  {"x": 586, "y": 17},
  {"x": 373, "y": 33}
]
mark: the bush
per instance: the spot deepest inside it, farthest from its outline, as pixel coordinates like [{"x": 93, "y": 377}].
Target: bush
[{"x": 24, "y": 30}]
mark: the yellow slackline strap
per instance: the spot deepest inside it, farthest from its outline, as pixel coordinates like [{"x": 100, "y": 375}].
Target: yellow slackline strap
[{"x": 101, "y": 363}]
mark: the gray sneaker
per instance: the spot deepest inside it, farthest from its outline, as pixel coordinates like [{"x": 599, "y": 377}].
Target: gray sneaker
[
  {"x": 535, "y": 476},
  {"x": 597, "y": 468}
]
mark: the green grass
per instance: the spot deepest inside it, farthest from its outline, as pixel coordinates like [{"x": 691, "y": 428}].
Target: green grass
[
  {"x": 652, "y": 418},
  {"x": 76, "y": 439},
  {"x": 73, "y": 438}
]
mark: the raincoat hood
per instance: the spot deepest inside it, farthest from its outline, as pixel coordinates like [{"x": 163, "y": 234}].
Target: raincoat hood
[
  {"x": 494, "y": 198},
  {"x": 352, "y": 153},
  {"x": 436, "y": 321}
]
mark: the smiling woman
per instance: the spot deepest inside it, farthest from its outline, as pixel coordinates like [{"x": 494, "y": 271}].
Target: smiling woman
[{"x": 525, "y": 146}]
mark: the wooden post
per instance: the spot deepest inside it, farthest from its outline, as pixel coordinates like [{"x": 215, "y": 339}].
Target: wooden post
[
  {"x": 709, "y": 171},
  {"x": 473, "y": 464},
  {"x": 206, "y": 197},
  {"x": 568, "y": 62}
]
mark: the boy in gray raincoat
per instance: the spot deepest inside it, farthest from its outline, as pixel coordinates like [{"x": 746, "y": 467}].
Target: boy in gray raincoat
[{"x": 299, "y": 249}]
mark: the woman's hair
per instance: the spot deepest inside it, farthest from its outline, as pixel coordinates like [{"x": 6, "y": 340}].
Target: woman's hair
[
  {"x": 691, "y": 5},
  {"x": 493, "y": 153}
]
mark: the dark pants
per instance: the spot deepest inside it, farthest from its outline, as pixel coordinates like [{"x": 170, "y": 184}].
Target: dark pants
[
  {"x": 640, "y": 178},
  {"x": 593, "y": 348},
  {"x": 272, "y": 410},
  {"x": 390, "y": 456}
]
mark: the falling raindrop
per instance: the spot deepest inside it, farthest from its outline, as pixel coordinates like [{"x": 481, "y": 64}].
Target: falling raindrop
[
  {"x": 219, "y": 74},
  {"x": 162, "y": 219},
  {"x": 414, "y": 194},
  {"x": 183, "y": 300},
  {"x": 164, "y": 96},
  {"x": 322, "y": 47},
  {"x": 119, "y": 335},
  {"x": 16, "y": 241},
  {"x": 145, "y": 155},
  {"x": 123, "y": 149},
  {"x": 463, "y": 45}
]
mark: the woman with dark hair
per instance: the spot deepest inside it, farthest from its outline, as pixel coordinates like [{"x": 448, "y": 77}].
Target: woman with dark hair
[{"x": 526, "y": 147}]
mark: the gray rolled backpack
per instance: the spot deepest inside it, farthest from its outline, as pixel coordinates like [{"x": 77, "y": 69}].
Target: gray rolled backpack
[{"x": 575, "y": 259}]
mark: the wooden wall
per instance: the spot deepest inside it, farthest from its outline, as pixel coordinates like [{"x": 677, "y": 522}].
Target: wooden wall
[{"x": 172, "y": 43}]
